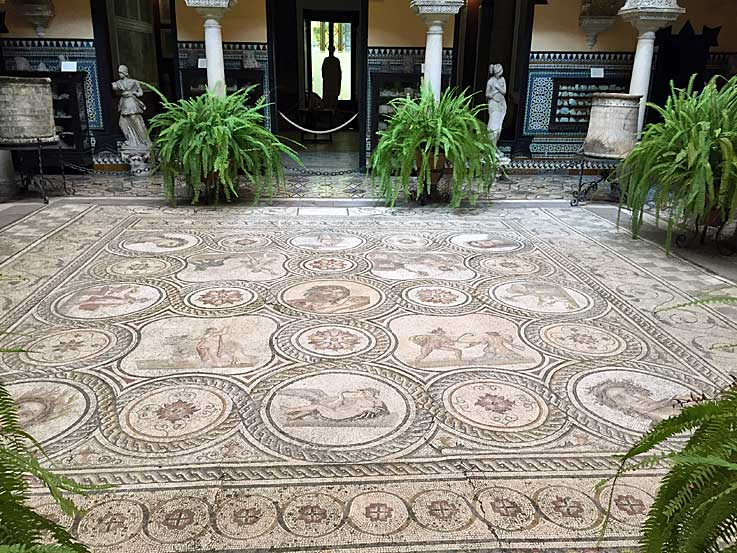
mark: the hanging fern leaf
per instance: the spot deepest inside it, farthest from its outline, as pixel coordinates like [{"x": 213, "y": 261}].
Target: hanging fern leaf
[
  {"x": 695, "y": 510},
  {"x": 421, "y": 130},
  {"x": 212, "y": 139}
]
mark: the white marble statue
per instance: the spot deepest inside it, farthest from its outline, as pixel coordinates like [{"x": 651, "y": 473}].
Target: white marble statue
[
  {"x": 496, "y": 94},
  {"x": 131, "y": 110}
]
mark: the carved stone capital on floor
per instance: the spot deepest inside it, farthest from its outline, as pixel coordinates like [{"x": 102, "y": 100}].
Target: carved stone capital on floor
[
  {"x": 647, "y": 16},
  {"x": 38, "y": 13},
  {"x": 211, "y": 9}
]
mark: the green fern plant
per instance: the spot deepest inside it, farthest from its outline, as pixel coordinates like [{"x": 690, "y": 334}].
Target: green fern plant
[
  {"x": 695, "y": 510},
  {"x": 210, "y": 139},
  {"x": 424, "y": 129},
  {"x": 689, "y": 159},
  {"x": 22, "y": 530}
]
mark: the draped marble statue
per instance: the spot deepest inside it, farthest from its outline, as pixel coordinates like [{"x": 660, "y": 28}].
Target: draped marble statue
[
  {"x": 131, "y": 110},
  {"x": 496, "y": 95}
]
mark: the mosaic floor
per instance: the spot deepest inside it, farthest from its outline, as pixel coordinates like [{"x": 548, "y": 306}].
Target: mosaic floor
[
  {"x": 405, "y": 381},
  {"x": 354, "y": 186}
]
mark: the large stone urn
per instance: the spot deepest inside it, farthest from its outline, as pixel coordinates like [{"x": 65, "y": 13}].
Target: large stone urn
[{"x": 612, "y": 126}]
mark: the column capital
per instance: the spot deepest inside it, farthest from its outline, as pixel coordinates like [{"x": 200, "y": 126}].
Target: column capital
[
  {"x": 647, "y": 16},
  {"x": 38, "y": 13},
  {"x": 432, "y": 11},
  {"x": 211, "y": 9}
]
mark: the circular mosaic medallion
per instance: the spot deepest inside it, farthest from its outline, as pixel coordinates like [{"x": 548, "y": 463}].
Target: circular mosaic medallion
[
  {"x": 326, "y": 242},
  {"x": 500, "y": 407},
  {"x": 320, "y": 414},
  {"x": 247, "y": 516},
  {"x": 69, "y": 346},
  {"x": 334, "y": 341},
  {"x": 338, "y": 409},
  {"x": 583, "y": 339},
  {"x": 496, "y": 406},
  {"x": 175, "y": 412},
  {"x": 438, "y": 297},
  {"x": 108, "y": 301},
  {"x": 173, "y": 415},
  {"x": 328, "y": 265},
  {"x": 140, "y": 266},
  {"x": 629, "y": 505},
  {"x": 507, "y": 509},
  {"x": 510, "y": 265},
  {"x": 378, "y": 513},
  {"x": 331, "y": 297},
  {"x": 313, "y": 515},
  {"x": 487, "y": 243},
  {"x": 568, "y": 508},
  {"x": 159, "y": 243},
  {"x": 541, "y": 297},
  {"x": 179, "y": 520},
  {"x": 111, "y": 523},
  {"x": 223, "y": 297},
  {"x": 628, "y": 399},
  {"x": 442, "y": 511},
  {"x": 407, "y": 242},
  {"x": 48, "y": 409}
]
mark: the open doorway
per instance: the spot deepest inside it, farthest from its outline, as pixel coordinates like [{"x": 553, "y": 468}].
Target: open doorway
[{"x": 318, "y": 50}]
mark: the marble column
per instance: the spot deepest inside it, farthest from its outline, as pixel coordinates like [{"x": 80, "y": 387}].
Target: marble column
[
  {"x": 213, "y": 11},
  {"x": 647, "y": 16},
  {"x": 435, "y": 14}
]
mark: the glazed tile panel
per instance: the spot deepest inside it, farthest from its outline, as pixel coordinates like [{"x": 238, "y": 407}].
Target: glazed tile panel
[{"x": 416, "y": 381}]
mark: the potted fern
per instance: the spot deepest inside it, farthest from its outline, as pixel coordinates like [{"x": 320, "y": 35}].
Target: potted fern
[
  {"x": 210, "y": 139},
  {"x": 695, "y": 509},
  {"x": 688, "y": 160},
  {"x": 422, "y": 136}
]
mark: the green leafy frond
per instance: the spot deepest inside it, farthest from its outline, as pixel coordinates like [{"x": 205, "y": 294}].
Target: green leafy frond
[
  {"x": 211, "y": 139},
  {"x": 688, "y": 161},
  {"x": 421, "y": 129},
  {"x": 695, "y": 509}
]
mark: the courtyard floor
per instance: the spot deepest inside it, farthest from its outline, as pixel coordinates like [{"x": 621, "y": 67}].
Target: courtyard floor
[{"x": 362, "y": 379}]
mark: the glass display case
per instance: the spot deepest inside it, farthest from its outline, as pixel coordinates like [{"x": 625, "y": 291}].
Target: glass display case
[{"x": 194, "y": 81}]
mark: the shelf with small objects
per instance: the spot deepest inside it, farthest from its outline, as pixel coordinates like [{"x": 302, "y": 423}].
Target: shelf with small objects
[
  {"x": 194, "y": 82},
  {"x": 70, "y": 117},
  {"x": 572, "y": 98}
]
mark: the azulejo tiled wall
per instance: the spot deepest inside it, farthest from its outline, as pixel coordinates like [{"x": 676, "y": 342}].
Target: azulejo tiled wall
[
  {"x": 235, "y": 53},
  {"x": 545, "y": 68},
  {"x": 399, "y": 60},
  {"x": 47, "y": 55}
]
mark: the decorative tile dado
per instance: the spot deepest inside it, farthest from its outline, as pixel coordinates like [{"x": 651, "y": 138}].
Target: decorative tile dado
[{"x": 47, "y": 55}]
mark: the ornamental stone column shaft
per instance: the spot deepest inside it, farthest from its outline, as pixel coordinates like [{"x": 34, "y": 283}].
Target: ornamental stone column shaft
[
  {"x": 213, "y": 11},
  {"x": 435, "y": 13},
  {"x": 647, "y": 16}
]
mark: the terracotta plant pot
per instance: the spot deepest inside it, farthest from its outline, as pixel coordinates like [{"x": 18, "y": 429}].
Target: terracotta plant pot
[{"x": 437, "y": 170}]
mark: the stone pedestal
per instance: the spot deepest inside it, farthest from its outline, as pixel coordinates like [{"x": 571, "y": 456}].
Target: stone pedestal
[
  {"x": 647, "y": 16},
  {"x": 435, "y": 13},
  {"x": 8, "y": 187},
  {"x": 213, "y": 11},
  {"x": 139, "y": 161}
]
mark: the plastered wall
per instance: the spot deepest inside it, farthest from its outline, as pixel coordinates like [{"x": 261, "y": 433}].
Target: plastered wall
[
  {"x": 394, "y": 23},
  {"x": 73, "y": 20},
  {"x": 245, "y": 22},
  {"x": 556, "y": 27}
]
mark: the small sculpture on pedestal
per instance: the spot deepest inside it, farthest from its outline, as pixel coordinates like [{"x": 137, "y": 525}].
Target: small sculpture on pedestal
[
  {"x": 136, "y": 150},
  {"x": 496, "y": 94}
]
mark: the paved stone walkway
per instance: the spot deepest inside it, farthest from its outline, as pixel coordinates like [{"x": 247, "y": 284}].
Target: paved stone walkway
[{"x": 349, "y": 380}]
